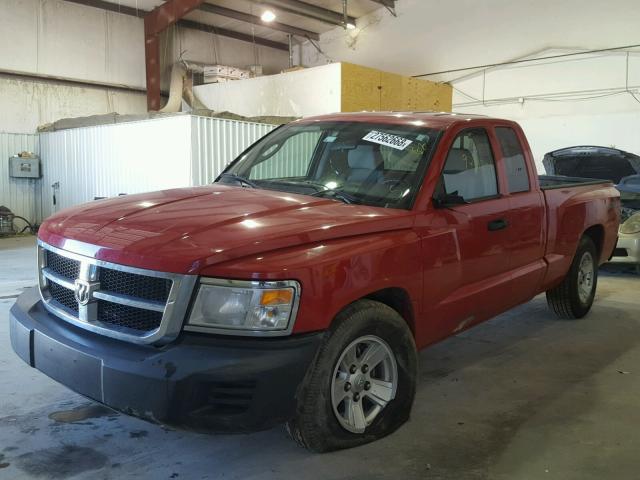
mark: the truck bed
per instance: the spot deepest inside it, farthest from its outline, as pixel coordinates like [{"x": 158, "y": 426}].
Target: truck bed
[
  {"x": 549, "y": 182},
  {"x": 574, "y": 204}
]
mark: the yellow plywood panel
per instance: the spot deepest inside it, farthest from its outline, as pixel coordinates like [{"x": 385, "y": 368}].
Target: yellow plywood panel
[
  {"x": 370, "y": 89},
  {"x": 360, "y": 88},
  {"x": 420, "y": 95},
  {"x": 392, "y": 93}
]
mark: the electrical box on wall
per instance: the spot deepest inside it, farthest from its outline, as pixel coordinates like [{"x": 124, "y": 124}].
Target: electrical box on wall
[{"x": 24, "y": 166}]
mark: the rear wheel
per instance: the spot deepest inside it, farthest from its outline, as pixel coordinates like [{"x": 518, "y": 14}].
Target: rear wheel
[
  {"x": 574, "y": 296},
  {"x": 362, "y": 383}
]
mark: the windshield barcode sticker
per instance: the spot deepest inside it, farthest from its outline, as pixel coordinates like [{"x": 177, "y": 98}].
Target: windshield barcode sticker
[{"x": 393, "y": 141}]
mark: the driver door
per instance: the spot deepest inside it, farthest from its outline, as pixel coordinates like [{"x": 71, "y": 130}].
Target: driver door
[{"x": 465, "y": 245}]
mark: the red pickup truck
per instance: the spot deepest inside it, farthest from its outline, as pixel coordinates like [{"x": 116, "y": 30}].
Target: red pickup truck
[{"x": 300, "y": 285}]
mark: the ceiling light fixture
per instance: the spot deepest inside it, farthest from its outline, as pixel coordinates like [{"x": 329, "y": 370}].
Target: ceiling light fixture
[
  {"x": 351, "y": 26},
  {"x": 268, "y": 16},
  {"x": 345, "y": 15}
]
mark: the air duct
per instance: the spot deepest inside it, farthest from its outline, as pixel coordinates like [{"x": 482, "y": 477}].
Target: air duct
[{"x": 174, "y": 104}]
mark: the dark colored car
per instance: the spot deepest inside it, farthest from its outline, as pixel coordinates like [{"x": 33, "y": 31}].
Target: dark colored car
[
  {"x": 629, "y": 184},
  {"x": 623, "y": 169},
  {"x": 602, "y": 163}
]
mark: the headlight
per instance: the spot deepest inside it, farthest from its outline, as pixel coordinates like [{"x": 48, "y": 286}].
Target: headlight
[
  {"x": 631, "y": 225},
  {"x": 244, "y": 308}
]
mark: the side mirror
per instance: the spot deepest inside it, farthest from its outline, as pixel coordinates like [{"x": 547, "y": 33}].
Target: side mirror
[{"x": 446, "y": 200}]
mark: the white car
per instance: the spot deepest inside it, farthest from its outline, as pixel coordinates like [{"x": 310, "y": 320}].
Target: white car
[{"x": 628, "y": 248}]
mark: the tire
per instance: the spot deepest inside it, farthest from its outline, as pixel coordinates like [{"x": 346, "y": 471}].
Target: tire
[
  {"x": 318, "y": 425},
  {"x": 573, "y": 298}
]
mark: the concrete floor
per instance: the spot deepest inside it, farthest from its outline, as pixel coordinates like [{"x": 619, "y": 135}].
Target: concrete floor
[{"x": 523, "y": 396}]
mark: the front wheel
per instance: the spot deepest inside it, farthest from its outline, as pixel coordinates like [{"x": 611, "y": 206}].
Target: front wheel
[
  {"x": 574, "y": 296},
  {"x": 362, "y": 383}
]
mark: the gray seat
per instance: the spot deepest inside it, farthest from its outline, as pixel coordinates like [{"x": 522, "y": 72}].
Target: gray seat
[
  {"x": 461, "y": 177},
  {"x": 364, "y": 162},
  {"x": 457, "y": 160}
]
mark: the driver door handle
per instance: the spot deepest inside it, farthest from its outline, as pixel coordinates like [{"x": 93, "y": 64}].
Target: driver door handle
[{"x": 499, "y": 224}]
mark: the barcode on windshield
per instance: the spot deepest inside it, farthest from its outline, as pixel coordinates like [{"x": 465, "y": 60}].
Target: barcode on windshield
[{"x": 393, "y": 141}]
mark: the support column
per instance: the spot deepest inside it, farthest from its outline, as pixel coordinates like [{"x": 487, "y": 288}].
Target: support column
[
  {"x": 152, "y": 56},
  {"x": 155, "y": 22}
]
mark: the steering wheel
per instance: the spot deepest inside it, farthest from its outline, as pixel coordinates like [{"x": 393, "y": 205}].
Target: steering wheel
[{"x": 396, "y": 184}]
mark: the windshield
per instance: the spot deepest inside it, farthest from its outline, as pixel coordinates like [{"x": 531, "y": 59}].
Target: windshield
[{"x": 355, "y": 162}]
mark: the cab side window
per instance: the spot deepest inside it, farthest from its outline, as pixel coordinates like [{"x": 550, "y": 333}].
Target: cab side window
[
  {"x": 513, "y": 159},
  {"x": 470, "y": 169}
]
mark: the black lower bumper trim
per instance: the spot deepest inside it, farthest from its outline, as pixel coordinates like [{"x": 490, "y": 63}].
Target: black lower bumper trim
[{"x": 202, "y": 382}]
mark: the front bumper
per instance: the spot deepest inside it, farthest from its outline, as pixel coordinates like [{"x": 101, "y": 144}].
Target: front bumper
[
  {"x": 201, "y": 382},
  {"x": 628, "y": 249}
]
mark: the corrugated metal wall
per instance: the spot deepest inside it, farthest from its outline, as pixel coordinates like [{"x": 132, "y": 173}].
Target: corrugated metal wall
[
  {"x": 21, "y": 195},
  {"x": 216, "y": 142},
  {"x": 134, "y": 157},
  {"x": 292, "y": 160},
  {"x": 108, "y": 160}
]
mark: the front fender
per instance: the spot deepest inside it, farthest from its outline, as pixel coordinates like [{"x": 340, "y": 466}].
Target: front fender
[{"x": 335, "y": 273}]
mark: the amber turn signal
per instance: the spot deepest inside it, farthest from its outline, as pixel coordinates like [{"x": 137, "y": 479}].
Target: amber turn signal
[{"x": 276, "y": 297}]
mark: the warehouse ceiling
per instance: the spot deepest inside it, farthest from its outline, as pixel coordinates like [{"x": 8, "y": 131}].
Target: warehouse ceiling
[{"x": 305, "y": 19}]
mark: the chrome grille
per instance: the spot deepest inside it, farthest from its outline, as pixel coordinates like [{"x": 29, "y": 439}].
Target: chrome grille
[
  {"x": 63, "y": 296},
  {"x": 142, "y": 306},
  {"x": 128, "y": 317},
  {"x": 66, "y": 267},
  {"x": 124, "y": 283}
]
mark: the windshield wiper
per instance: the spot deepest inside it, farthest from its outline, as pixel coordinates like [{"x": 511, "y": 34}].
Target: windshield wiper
[
  {"x": 243, "y": 181},
  {"x": 338, "y": 194}
]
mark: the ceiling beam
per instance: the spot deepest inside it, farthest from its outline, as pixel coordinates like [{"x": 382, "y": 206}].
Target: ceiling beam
[
  {"x": 390, "y": 5},
  {"x": 156, "y": 22},
  {"x": 308, "y": 10},
  {"x": 111, "y": 7},
  {"x": 385, "y": 3},
  {"x": 248, "y": 18},
  {"x": 136, "y": 12},
  {"x": 159, "y": 19},
  {"x": 167, "y": 14},
  {"x": 233, "y": 34}
]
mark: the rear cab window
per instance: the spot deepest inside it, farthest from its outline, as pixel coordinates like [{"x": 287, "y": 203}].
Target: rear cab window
[{"x": 513, "y": 160}]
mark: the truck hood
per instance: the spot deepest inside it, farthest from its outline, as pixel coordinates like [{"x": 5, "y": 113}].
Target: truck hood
[
  {"x": 186, "y": 230},
  {"x": 602, "y": 163}
]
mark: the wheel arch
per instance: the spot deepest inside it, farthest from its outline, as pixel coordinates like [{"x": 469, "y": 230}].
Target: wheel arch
[
  {"x": 596, "y": 234},
  {"x": 399, "y": 300}
]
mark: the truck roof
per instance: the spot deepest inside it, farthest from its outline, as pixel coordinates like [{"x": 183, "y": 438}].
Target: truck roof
[{"x": 438, "y": 120}]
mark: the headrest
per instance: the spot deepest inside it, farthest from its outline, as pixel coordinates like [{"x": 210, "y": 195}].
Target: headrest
[
  {"x": 364, "y": 156},
  {"x": 457, "y": 160}
]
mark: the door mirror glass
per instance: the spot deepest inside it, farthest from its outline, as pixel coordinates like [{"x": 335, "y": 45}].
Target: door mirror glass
[
  {"x": 448, "y": 200},
  {"x": 443, "y": 199}
]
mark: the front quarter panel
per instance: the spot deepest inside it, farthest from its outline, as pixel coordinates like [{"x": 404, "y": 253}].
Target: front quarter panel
[{"x": 335, "y": 273}]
